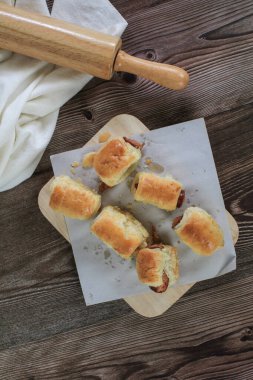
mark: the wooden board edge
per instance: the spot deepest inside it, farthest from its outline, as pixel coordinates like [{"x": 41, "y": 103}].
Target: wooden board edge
[
  {"x": 152, "y": 298},
  {"x": 173, "y": 294}
]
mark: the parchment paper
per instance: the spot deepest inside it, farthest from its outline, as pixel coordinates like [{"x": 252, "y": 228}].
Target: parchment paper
[{"x": 182, "y": 150}]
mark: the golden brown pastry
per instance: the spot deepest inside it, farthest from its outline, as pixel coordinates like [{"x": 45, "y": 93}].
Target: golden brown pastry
[
  {"x": 157, "y": 266},
  {"x": 73, "y": 199},
  {"x": 119, "y": 230},
  {"x": 115, "y": 160},
  {"x": 88, "y": 160},
  {"x": 197, "y": 229},
  {"x": 163, "y": 192},
  {"x": 103, "y": 137}
]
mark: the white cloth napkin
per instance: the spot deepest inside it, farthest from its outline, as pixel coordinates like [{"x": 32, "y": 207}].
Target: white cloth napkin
[{"x": 32, "y": 91}]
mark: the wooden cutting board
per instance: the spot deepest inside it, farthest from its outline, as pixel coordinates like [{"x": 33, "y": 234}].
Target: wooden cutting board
[{"x": 150, "y": 304}]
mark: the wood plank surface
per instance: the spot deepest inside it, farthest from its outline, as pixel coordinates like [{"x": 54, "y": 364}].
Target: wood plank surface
[{"x": 46, "y": 332}]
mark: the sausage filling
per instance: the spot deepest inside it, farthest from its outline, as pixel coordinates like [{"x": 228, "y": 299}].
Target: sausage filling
[
  {"x": 158, "y": 245},
  {"x": 181, "y": 198},
  {"x": 102, "y": 187},
  {"x": 154, "y": 238},
  {"x": 134, "y": 143},
  {"x": 162, "y": 288},
  {"x": 176, "y": 221}
]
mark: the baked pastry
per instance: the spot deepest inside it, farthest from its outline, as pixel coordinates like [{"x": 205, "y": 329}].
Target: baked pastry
[
  {"x": 163, "y": 192},
  {"x": 197, "y": 229},
  {"x": 115, "y": 160},
  {"x": 73, "y": 199},
  {"x": 157, "y": 266},
  {"x": 119, "y": 230},
  {"x": 88, "y": 160}
]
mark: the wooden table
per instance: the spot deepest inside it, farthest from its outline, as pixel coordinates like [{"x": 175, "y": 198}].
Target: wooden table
[{"x": 46, "y": 331}]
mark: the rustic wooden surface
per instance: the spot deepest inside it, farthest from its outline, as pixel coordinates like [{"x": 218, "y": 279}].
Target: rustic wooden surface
[{"x": 46, "y": 332}]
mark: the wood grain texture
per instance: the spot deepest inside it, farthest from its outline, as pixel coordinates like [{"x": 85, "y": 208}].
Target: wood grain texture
[
  {"x": 46, "y": 331},
  {"x": 213, "y": 342},
  {"x": 85, "y": 50},
  {"x": 58, "y": 42},
  {"x": 165, "y": 75}
]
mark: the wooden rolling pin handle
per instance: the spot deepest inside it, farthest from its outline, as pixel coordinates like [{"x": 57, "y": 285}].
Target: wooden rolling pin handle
[{"x": 165, "y": 75}]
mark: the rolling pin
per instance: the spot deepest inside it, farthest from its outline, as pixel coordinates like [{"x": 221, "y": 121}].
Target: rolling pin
[{"x": 81, "y": 49}]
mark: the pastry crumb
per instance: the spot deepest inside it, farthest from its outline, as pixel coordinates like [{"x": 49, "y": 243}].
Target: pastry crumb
[
  {"x": 88, "y": 160},
  {"x": 148, "y": 161},
  {"x": 103, "y": 137},
  {"x": 75, "y": 164},
  {"x": 153, "y": 166}
]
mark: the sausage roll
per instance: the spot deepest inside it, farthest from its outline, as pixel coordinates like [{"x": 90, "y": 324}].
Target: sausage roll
[
  {"x": 73, "y": 199},
  {"x": 120, "y": 231},
  {"x": 163, "y": 192},
  {"x": 197, "y": 229},
  {"x": 157, "y": 266},
  {"x": 115, "y": 160}
]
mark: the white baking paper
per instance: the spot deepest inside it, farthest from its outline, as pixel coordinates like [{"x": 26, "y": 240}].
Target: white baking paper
[{"x": 182, "y": 150}]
